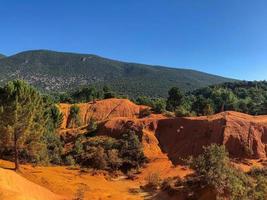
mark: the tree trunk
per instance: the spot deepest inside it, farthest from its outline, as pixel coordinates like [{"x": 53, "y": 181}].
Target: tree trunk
[{"x": 16, "y": 153}]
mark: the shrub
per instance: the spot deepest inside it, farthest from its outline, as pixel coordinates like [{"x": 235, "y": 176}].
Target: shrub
[
  {"x": 260, "y": 190},
  {"x": 54, "y": 147},
  {"x": 56, "y": 117},
  {"x": 79, "y": 195},
  {"x": 99, "y": 158},
  {"x": 74, "y": 117},
  {"x": 69, "y": 160},
  {"x": 131, "y": 151},
  {"x": 78, "y": 149},
  {"x": 94, "y": 157},
  {"x": 256, "y": 171},
  {"x": 104, "y": 141},
  {"x": 169, "y": 114},
  {"x": 145, "y": 112},
  {"x": 92, "y": 126},
  {"x": 215, "y": 171},
  {"x": 181, "y": 111},
  {"x": 153, "y": 180},
  {"x": 114, "y": 161},
  {"x": 102, "y": 152},
  {"x": 159, "y": 106},
  {"x": 144, "y": 100}
]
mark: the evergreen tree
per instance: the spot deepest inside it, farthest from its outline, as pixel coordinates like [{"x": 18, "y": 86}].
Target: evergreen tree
[
  {"x": 22, "y": 117},
  {"x": 74, "y": 119},
  {"x": 175, "y": 99}
]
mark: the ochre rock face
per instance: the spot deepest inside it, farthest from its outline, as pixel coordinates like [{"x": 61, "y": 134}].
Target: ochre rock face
[
  {"x": 103, "y": 110},
  {"x": 183, "y": 137},
  {"x": 243, "y": 135}
]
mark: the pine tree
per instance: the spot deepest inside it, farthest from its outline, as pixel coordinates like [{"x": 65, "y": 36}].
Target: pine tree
[
  {"x": 22, "y": 117},
  {"x": 175, "y": 99}
]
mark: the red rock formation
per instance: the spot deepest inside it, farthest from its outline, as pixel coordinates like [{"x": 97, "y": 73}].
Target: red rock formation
[{"x": 243, "y": 135}]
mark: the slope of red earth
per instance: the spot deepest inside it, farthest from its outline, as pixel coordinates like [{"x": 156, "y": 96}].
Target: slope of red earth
[
  {"x": 243, "y": 135},
  {"x": 103, "y": 110}
]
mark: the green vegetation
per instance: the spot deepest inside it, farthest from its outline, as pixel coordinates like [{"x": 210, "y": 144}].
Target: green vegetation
[
  {"x": 74, "y": 119},
  {"x": 29, "y": 124},
  {"x": 84, "y": 94},
  {"x": 26, "y": 122},
  {"x": 61, "y": 72},
  {"x": 215, "y": 174},
  {"x": 246, "y": 97},
  {"x": 107, "y": 153}
]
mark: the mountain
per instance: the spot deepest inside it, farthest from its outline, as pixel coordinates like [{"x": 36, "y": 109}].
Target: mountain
[
  {"x": 2, "y": 56},
  {"x": 58, "y": 71}
]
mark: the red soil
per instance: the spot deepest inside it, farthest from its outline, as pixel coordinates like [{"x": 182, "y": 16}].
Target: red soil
[
  {"x": 243, "y": 135},
  {"x": 103, "y": 110}
]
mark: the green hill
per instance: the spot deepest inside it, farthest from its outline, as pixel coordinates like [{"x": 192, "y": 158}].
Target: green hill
[{"x": 57, "y": 71}]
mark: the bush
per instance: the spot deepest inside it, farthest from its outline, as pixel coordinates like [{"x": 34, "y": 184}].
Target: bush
[
  {"x": 159, "y": 106},
  {"x": 92, "y": 127},
  {"x": 145, "y": 113},
  {"x": 260, "y": 190},
  {"x": 54, "y": 147},
  {"x": 99, "y": 158},
  {"x": 69, "y": 160},
  {"x": 78, "y": 149},
  {"x": 169, "y": 114},
  {"x": 214, "y": 170},
  {"x": 153, "y": 180},
  {"x": 181, "y": 111},
  {"x": 144, "y": 100},
  {"x": 74, "y": 117},
  {"x": 131, "y": 151},
  {"x": 114, "y": 161},
  {"x": 254, "y": 172},
  {"x": 102, "y": 152},
  {"x": 94, "y": 157}
]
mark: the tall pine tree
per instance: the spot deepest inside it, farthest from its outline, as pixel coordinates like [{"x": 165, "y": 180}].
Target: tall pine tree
[{"x": 22, "y": 117}]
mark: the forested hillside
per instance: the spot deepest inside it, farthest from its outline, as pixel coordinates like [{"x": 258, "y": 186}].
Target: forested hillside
[{"x": 57, "y": 71}]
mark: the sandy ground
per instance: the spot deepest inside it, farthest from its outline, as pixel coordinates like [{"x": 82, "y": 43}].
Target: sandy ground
[
  {"x": 58, "y": 183},
  {"x": 68, "y": 183}
]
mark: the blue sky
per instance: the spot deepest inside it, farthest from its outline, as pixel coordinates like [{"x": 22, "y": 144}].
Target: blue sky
[{"x": 224, "y": 37}]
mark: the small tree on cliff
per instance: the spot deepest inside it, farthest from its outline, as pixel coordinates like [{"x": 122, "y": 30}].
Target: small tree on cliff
[
  {"x": 74, "y": 119},
  {"x": 175, "y": 99},
  {"x": 22, "y": 116}
]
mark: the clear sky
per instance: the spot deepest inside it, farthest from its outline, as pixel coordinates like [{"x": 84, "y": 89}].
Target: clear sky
[{"x": 224, "y": 37}]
